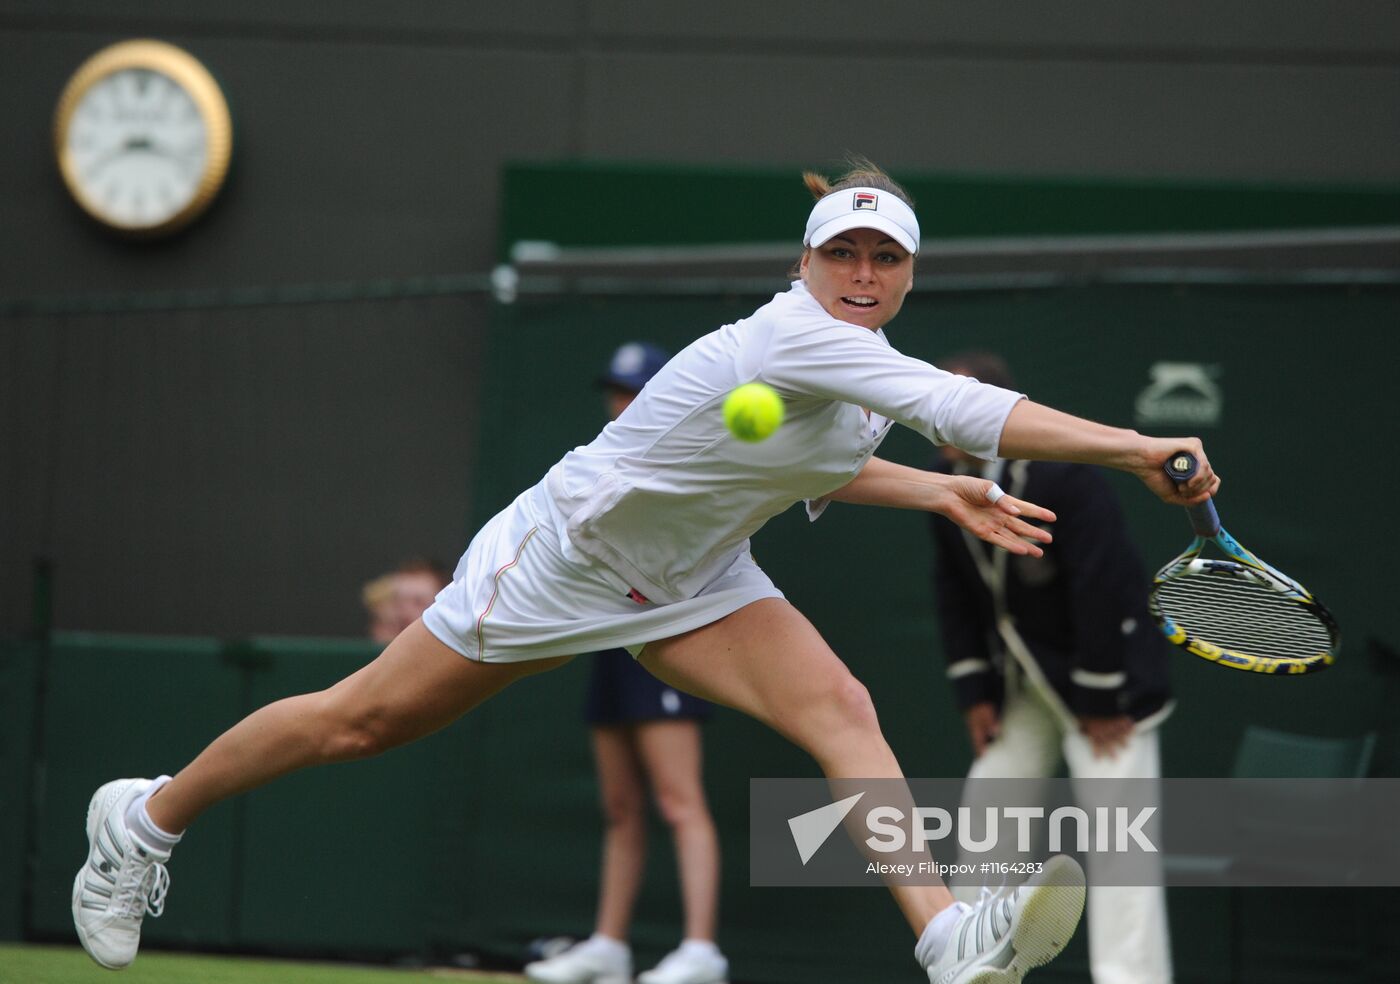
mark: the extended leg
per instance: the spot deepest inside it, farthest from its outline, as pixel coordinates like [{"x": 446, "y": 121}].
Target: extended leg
[
  {"x": 768, "y": 661},
  {"x": 416, "y": 686}
]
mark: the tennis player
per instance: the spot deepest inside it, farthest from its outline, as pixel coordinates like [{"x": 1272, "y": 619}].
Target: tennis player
[{"x": 640, "y": 540}]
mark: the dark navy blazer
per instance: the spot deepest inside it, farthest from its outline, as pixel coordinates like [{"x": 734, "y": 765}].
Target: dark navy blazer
[{"x": 1082, "y": 607}]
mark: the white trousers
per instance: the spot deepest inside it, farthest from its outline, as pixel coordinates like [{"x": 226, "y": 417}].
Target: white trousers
[{"x": 1128, "y": 938}]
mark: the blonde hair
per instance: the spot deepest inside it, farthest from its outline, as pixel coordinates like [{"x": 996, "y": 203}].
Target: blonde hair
[
  {"x": 861, "y": 172},
  {"x": 378, "y": 592}
]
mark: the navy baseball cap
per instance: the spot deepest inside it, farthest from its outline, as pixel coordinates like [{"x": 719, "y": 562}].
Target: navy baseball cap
[{"x": 633, "y": 364}]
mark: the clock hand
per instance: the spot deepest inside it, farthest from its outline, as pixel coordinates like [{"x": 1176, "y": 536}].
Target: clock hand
[
  {"x": 99, "y": 165},
  {"x": 133, "y": 144}
]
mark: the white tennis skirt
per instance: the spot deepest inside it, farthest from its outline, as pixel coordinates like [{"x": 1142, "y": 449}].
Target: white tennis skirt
[{"x": 515, "y": 596}]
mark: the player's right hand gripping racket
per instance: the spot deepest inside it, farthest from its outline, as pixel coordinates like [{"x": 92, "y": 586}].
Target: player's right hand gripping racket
[{"x": 1240, "y": 612}]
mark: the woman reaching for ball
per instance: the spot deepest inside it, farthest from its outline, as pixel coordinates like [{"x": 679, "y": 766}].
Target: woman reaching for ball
[{"x": 640, "y": 540}]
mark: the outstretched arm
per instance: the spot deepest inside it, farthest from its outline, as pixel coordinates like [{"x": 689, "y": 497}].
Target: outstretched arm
[
  {"x": 1036, "y": 432},
  {"x": 961, "y": 498}
]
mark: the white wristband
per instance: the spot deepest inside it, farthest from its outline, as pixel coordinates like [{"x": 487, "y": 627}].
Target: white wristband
[{"x": 994, "y": 493}]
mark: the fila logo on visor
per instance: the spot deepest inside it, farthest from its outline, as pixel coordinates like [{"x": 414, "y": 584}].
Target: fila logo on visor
[{"x": 864, "y": 199}]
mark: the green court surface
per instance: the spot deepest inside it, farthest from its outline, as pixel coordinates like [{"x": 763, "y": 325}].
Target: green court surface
[{"x": 70, "y": 965}]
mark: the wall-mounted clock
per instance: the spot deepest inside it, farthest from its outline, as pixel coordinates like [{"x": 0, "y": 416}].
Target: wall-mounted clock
[{"x": 143, "y": 137}]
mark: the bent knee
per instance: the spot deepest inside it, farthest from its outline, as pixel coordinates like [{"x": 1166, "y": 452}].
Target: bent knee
[
  {"x": 855, "y": 701},
  {"x": 849, "y": 704},
  {"x": 843, "y": 706}
]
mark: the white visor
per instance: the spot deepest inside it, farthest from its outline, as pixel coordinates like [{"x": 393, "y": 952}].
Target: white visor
[{"x": 862, "y": 208}]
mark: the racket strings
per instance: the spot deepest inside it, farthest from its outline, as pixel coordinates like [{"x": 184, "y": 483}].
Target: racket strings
[{"x": 1236, "y": 613}]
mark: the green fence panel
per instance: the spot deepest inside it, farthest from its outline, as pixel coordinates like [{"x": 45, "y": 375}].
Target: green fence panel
[
  {"x": 330, "y": 857},
  {"x": 19, "y": 661}
]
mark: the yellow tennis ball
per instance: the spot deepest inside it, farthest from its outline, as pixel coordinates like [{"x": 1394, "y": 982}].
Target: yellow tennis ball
[{"x": 752, "y": 412}]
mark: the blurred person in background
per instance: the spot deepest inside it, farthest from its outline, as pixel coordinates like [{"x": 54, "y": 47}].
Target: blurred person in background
[
  {"x": 640, "y": 539},
  {"x": 395, "y": 600},
  {"x": 1055, "y": 658},
  {"x": 380, "y": 599},
  {"x": 645, "y": 735},
  {"x": 416, "y": 584}
]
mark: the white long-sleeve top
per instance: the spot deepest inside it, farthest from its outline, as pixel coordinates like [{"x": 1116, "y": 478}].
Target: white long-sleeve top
[{"x": 666, "y": 498}]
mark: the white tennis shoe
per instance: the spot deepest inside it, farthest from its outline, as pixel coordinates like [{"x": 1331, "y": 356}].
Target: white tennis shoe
[
  {"x": 121, "y": 882},
  {"x": 1005, "y": 935},
  {"x": 592, "y": 961},
  {"x": 689, "y": 964}
]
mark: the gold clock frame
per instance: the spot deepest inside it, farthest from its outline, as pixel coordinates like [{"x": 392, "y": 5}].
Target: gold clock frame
[{"x": 187, "y": 72}]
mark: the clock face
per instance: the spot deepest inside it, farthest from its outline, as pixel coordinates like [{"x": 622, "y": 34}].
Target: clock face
[
  {"x": 138, "y": 147},
  {"x": 143, "y": 136}
]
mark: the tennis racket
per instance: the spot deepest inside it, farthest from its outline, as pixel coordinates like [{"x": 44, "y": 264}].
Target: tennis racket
[{"x": 1239, "y": 612}]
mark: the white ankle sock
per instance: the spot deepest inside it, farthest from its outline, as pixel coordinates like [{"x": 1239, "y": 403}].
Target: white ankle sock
[
  {"x": 139, "y": 822},
  {"x": 936, "y": 934},
  {"x": 701, "y": 948}
]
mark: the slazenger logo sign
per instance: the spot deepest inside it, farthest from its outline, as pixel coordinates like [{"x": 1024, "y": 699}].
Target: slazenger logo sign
[
  {"x": 1180, "y": 393},
  {"x": 1111, "y": 830}
]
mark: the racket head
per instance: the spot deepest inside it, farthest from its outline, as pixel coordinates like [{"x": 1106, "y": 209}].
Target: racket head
[{"x": 1242, "y": 614}]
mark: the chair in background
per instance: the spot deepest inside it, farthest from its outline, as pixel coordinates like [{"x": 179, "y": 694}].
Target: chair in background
[
  {"x": 1292, "y": 819},
  {"x": 1265, "y": 753}
]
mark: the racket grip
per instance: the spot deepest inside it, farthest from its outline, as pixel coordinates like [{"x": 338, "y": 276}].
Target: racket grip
[{"x": 1180, "y": 468}]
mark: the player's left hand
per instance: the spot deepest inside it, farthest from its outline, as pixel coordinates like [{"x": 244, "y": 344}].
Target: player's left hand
[
  {"x": 1002, "y": 523},
  {"x": 1107, "y": 735}
]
